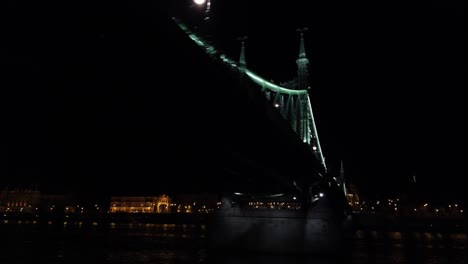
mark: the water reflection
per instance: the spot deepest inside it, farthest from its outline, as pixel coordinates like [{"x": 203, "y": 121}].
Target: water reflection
[
  {"x": 82, "y": 242},
  {"x": 276, "y": 259}
]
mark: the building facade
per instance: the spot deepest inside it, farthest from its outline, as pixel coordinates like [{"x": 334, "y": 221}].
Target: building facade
[
  {"x": 140, "y": 204},
  {"x": 18, "y": 200}
]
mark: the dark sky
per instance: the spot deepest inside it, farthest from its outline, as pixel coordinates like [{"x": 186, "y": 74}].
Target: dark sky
[{"x": 106, "y": 97}]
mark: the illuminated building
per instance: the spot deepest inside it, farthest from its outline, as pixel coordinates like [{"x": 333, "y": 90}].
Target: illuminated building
[
  {"x": 20, "y": 200},
  {"x": 30, "y": 200},
  {"x": 353, "y": 197},
  {"x": 195, "y": 202},
  {"x": 140, "y": 204}
]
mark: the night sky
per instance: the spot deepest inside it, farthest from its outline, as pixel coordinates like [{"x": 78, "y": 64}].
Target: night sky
[{"x": 110, "y": 97}]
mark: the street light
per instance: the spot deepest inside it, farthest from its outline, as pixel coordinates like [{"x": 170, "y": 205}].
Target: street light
[{"x": 207, "y": 9}]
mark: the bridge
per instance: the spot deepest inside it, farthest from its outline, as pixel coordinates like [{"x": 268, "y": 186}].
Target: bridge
[
  {"x": 297, "y": 160},
  {"x": 285, "y": 201}
]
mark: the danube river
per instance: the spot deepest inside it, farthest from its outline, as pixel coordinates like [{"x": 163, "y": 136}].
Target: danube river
[{"x": 29, "y": 242}]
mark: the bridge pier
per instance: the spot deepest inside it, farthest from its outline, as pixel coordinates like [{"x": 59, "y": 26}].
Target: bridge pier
[{"x": 317, "y": 229}]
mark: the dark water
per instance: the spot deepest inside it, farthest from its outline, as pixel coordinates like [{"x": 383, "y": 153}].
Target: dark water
[{"x": 29, "y": 242}]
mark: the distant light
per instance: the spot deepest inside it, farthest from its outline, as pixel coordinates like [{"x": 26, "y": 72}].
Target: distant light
[
  {"x": 321, "y": 194},
  {"x": 238, "y": 193},
  {"x": 199, "y": 2},
  {"x": 294, "y": 198},
  {"x": 277, "y": 195},
  {"x": 276, "y": 105},
  {"x": 314, "y": 148}
]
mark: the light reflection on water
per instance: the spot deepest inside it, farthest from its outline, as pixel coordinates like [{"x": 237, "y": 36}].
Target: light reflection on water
[{"x": 83, "y": 243}]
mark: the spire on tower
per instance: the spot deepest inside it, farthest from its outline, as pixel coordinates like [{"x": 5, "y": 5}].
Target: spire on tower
[
  {"x": 302, "y": 63},
  {"x": 242, "y": 60},
  {"x": 342, "y": 170},
  {"x": 302, "y": 53},
  {"x": 342, "y": 178}
]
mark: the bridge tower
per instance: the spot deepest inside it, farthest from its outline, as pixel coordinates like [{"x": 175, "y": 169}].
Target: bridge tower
[
  {"x": 342, "y": 179},
  {"x": 242, "y": 61},
  {"x": 306, "y": 124},
  {"x": 302, "y": 64},
  {"x": 292, "y": 101}
]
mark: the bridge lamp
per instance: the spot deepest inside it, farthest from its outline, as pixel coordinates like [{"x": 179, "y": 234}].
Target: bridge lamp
[{"x": 206, "y": 4}]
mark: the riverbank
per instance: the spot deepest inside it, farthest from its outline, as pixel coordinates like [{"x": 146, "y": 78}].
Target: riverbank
[
  {"x": 114, "y": 218},
  {"x": 362, "y": 221},
  {"x": 384, "y": 222}
]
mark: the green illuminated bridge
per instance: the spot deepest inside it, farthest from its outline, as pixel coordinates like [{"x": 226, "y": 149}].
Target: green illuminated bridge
[
  {"x": 280, "y": 198},
  {"x": 292, "y": 102},
  {"x": 299, "y": 162}
]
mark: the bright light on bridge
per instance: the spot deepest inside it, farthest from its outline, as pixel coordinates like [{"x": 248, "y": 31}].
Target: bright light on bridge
[{"x": 199, "y": 2}]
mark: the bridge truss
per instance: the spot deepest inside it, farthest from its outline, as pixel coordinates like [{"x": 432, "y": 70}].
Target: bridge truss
[{"x": 291, "y": 99}]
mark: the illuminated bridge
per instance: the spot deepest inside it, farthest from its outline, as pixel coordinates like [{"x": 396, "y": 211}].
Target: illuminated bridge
[
  {"x": 292, "y": 99},
  {"x": 285, "y": 167},
  {"x": 289, "y": 112}
]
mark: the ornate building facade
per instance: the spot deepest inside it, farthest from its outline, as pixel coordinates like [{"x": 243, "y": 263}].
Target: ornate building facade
[
  {"x": 140, "y": 204},
  {"x": 20, "y": 200}
]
